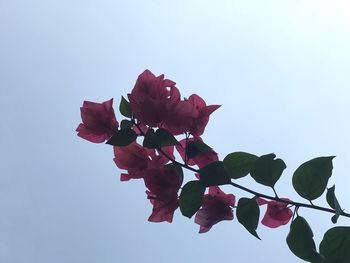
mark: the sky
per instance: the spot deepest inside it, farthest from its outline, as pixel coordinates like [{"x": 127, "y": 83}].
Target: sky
[{"x": 278, "y": 68}]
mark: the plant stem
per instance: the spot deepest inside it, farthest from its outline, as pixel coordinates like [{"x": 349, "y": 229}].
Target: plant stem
[
  {"x": 297, "y": 204},
  {"x": 186, "y": 157},
  {"x": 275, "y": 198},
  {"x": 274, "y": 190}
]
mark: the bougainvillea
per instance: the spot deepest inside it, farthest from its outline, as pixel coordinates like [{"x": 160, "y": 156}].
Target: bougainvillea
[
  {"x": 277, "y": 213},
  {"x": 216, "y": 206},
  {"x": 99, "y": 122},
  {"x": 159, "y": 122}
]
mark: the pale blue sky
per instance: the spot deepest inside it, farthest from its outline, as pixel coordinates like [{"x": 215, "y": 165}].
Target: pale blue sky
[{"x": 279, "y": 68}]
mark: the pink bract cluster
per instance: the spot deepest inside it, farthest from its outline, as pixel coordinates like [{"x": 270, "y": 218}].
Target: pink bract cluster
[
  {"x": 99, "y": 122},
  {"x": 277, "y": 213},
  {"x": 156, "y": 103}
]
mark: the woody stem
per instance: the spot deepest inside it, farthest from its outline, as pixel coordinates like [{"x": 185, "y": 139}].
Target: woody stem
[
  {"x": 296, "y": 204},
  {"x": 275, "y": 198}
]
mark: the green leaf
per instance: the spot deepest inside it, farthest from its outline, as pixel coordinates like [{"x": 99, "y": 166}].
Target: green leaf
[
  {"x": 335, "y": 246},
  {"x": 239, "y": 164},
  {"x": 191, "y": 198},
  {"x": 160, "y": 138},
  {"x": 333, "y": 202},
  {"x": 214, "y": 174},
  {"x": 165, "y": 138},
  {"x": 311, "y": 178},
  {"x": 125, "y": 108},
  {"x": 123, "y": 137},
  {"x": 176, "y": 167},
  {"x": 126, "y": 124},
  {"x": 248, "y": 214},
  {"x": 195, "y": 148},
  {"x": 300, "y": 241},
  {"x": 266, "y": 170},
  {"x": 331, "y": 199},
  {"x": 150, "y": 141}
]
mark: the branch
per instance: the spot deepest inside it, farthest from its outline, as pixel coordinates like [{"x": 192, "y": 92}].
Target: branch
[{"x": 275, "y": 198}]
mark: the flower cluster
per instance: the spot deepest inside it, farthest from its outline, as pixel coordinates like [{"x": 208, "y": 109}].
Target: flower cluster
[
  {"x": 99, "y": 122},
  {"x": 157, "y": 113}
]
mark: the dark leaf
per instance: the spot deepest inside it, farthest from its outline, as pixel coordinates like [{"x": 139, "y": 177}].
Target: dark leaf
[
  {"x": 335, "y": 246},
  {"x": 176, "y": 167},
  {"x": 123, "y": 137},
  {"x": 150, "y": 141},
  {"x": 125, "y": 108},
  {"x": 333, "y": 202},
  {"x": 191, "y": 198},
  {"x": 330, "y": 196},
  {"x": 248, "y": 214},
  {"x": 165, "y": 138},
  {"x": 214, "y": 174},
  {"x": 126, "y": 124},
  {"x": 300, "y": 241},
  {"x": 158, "y": 139},
  {"x": 239, "y": 164},
  {"x": 311, "y": 178},
  {"x": 195, "y": 148},
  {"x": 267, "y": 170}
]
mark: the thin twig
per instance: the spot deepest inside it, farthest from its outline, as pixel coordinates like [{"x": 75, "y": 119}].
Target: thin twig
[{"x": 275, "y": 198}]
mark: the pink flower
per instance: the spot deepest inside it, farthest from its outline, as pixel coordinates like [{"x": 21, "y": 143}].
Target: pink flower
[
  {"x": 163, "y": 209},
  {"x": 99, "y": 122},
  {"x": 191, "y": 115},
  {"x": 277, "y": 213},
  {"x": 201, "y": 159},
  {"x": 133, "y": 158},
  {"x": 163, "y": 184},
  {"x": 204, "y": 111},
  {"x": 217, "y": 206},
  {"x": 158, "y": 159},
  {"x": 136, "y": 159},
  {"x": 152, "y": 98},
  {"x": 181, "y": 118},
  {"x": 141, "y": 127}
]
